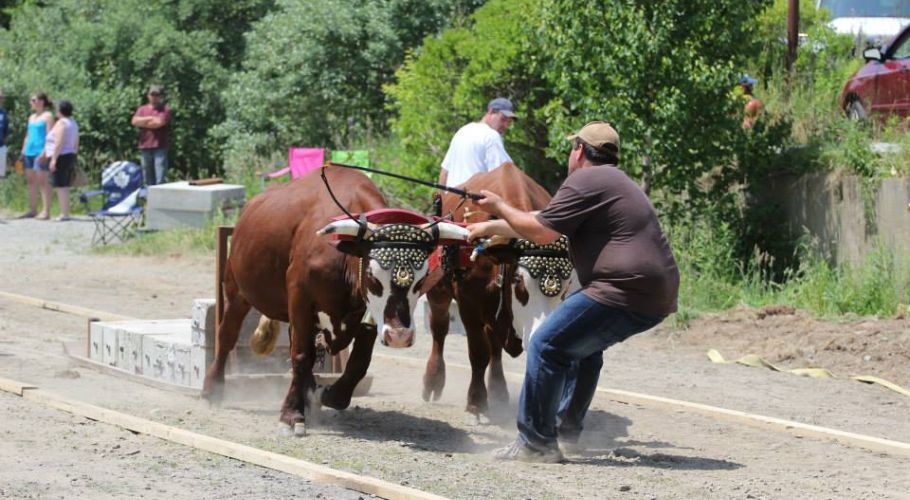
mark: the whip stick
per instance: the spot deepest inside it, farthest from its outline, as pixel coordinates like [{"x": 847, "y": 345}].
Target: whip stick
[{"x": 460, "y": 192}]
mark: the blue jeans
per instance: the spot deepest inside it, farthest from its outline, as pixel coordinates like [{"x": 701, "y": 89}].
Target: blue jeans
[
  {"x": 32, "y": 163},
  {"x": 154, "y": 165},
  {"x": 563, "y": 366}
]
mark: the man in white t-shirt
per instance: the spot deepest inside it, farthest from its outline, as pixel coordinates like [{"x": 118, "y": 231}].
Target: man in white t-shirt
[{"x": 477, "y": 147}]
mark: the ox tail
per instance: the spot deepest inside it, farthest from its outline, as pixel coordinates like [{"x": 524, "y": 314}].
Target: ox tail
[{"x": 265, "y": 337}]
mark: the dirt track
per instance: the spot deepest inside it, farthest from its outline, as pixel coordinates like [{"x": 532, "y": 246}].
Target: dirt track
[{"x": 634, "y": 451}]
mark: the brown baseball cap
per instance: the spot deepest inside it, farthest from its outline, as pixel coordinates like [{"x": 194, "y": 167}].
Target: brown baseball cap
[{"x": 598, "y": 134}]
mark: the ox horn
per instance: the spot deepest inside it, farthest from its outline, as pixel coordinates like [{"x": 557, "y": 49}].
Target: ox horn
[
  {"x": 449, "y": 231},
  {"x": 347, "y": 227}
]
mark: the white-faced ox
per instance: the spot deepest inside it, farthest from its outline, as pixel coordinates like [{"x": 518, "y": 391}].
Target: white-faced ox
[
  {"x": 280, "y": 266},
  {"x": 503, "y": 293}
]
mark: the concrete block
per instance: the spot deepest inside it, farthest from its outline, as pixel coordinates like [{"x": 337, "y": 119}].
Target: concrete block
[
  {"x": 203, "y": 320},
  {"x": 200, "y": 359},
  {"x": 177, "y": 204},
  {"x": 162, "y": 219},
  {"x": 182, "y": 196},
  {"x": 130, "y": 334},
  {"x": 96, "y": 342},
  {"x": 182, "y": 368},
  {"x": 160, "y": 357},
  {"x": 154, "y": 356},
  {"x": 203, "y": 325},
  {"x": 109, "y": 353},
  {"x": 124, "y": 362}
]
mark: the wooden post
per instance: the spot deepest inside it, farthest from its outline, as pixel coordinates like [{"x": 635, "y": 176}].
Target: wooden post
[{"x": 792, "y": 34}]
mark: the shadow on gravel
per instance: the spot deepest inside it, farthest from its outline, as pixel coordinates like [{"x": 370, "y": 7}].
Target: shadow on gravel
[
  {"x": 383, "y": 426},
  {"x": 624, "y": 457},
  {"x": 604, "y": 446}
]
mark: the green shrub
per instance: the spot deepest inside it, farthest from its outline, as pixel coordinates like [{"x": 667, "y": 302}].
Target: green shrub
[
  {"x": 313, "y": 73},
  {"x": 14, "y": 193},
  {"x": 102, "y": 56}
]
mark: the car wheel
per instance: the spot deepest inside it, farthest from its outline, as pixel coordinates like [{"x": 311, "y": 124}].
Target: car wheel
[{"x": 855, "y": 110}]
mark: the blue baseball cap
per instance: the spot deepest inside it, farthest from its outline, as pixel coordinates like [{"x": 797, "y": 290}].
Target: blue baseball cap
[
  {"x": 502, "y": 105},
  {"x": 747, "y": 80}
]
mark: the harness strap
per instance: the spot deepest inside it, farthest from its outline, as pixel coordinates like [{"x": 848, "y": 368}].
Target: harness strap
[
  {"x": 362, "y": 222},
  {"x": 500, "y": 279}
]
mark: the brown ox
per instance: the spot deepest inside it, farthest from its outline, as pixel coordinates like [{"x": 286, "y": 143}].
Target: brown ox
[
  {"x": 279, "y": 266},
  {"x": 500, "y": 300}
]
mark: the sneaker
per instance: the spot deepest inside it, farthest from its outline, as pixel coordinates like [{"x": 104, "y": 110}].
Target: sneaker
[{"x": 516, "y": 450}]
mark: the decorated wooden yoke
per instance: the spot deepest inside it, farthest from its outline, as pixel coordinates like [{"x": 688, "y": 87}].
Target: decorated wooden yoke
[
  {"x": 402, "y": 240},
  {"x": 548, "y": 265},
  {"x": 399, "y": 240}
]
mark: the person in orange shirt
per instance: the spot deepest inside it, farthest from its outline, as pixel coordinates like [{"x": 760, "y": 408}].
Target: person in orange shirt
[{"x": 754, "y": 106}]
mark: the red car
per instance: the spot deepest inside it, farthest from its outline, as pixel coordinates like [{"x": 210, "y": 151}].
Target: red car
[{"x": 881, "y": 88}]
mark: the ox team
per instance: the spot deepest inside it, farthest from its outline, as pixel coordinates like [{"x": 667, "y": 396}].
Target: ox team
[{"x": 629, "y": 283}]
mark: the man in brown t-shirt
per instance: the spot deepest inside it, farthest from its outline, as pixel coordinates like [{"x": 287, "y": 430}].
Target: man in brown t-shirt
[
  {"x": 629, "y": 284},
  {"x": 153, "y": 121}
]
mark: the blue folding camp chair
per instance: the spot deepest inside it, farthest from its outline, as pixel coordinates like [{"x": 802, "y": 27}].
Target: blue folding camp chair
[{"x": 122, "y": 209}]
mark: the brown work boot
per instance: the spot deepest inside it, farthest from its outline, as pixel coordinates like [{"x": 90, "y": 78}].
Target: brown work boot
[{"x": 516, "y": 450}]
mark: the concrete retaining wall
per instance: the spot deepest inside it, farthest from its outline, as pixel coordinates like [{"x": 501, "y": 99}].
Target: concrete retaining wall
[{"x": 847, "y": 223}]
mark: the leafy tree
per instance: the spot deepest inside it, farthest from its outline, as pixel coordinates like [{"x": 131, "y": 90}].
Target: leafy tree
[
  {"x": 228, "y": 21},
  {"x": 7, "y": 6},
  {"x": 102, "y": 55},
  {"x": 313, "y": 72},
  {"x": 771, "y": 34},
  {"x": 661, "y": 72},
  {"x": 451, "y": 78}
]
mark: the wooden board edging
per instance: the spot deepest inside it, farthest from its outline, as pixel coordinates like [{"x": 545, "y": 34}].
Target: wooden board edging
[
  {"x": 752, "y": 419},
  {"x": 63, "y": 308},
  {"x": 271, "y": 460},
  {"x": 14, "y": 387}
]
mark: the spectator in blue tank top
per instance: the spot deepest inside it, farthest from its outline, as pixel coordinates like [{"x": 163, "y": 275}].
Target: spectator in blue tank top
[
  {"x": 4, "y": 134},
  {"x": 36, "y": 165}
]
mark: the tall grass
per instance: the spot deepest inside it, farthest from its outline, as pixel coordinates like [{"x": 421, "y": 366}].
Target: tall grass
[
  {"x": 173, "y": 242},
  {"x": 14, "y": 196},
  {"x": 14, "y": 193},
  {"x": 713, "y": 280}
]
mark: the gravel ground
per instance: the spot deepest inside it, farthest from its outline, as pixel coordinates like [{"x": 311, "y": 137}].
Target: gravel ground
[{"x": 632, "y": 451}]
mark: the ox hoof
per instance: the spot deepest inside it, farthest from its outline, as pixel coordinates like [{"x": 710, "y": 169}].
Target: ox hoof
[
  {"x": 213, "y": 395},
  {"x": 285, "y": 430},
  {"x": 432, "y": 392},
  {"x": 333, "y": 400},
  {"x": 472, "y": 419},
  {"x": 300, "y": 429}
]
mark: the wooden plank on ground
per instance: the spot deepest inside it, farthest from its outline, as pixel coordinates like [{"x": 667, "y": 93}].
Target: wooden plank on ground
[
  {"x": 14, "y": 387},
  {"x": 764, "y": 422},
  {"x": 61, "y": 307},
  {"x": 284, "y": 463}
]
